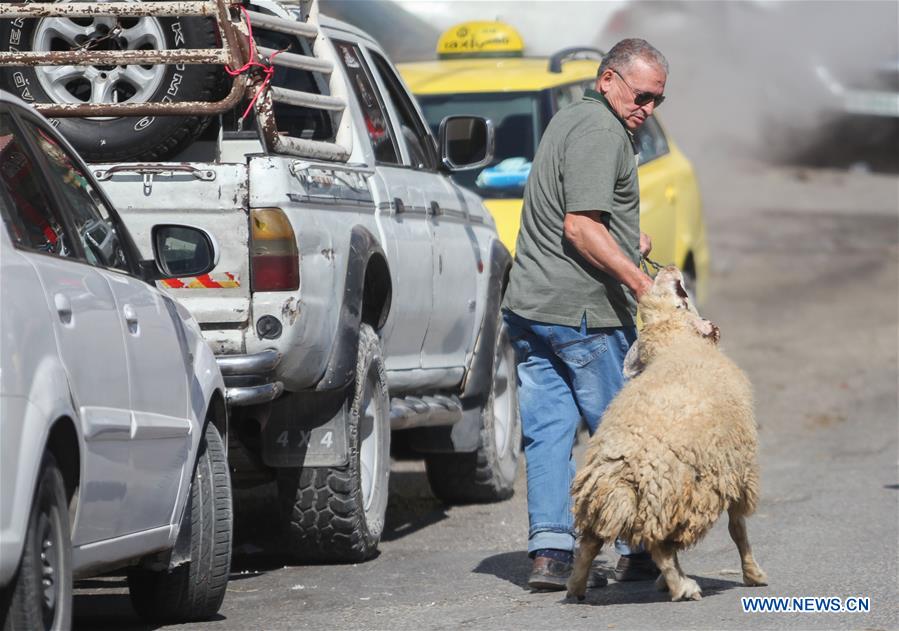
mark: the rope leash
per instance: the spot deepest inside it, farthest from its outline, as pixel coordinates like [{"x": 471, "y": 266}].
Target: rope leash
[{"x": 267, "y": 70}]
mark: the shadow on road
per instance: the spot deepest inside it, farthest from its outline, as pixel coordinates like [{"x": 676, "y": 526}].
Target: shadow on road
[
  {"x": 509, "y": 566},
  {"x": 103, "y": 603},
  {"x": 411, "y": 505},
  {"x": 645, "y": 592},
  {"x": 107, "y": 611},
  {"x": 515, "y": 566}
]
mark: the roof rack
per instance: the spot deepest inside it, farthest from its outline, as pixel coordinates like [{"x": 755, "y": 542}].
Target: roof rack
[
  {"x": 583, "y": 52},
  {"x": 234, "y": 52}
]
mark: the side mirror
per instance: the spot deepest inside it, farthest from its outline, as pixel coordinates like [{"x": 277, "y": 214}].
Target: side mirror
[
  {"x": 180, "y": 251},
  {"x": 466, "y": 142}
]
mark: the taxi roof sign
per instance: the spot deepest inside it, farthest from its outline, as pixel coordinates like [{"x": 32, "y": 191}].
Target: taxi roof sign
[{"x": 480, "y": 39}]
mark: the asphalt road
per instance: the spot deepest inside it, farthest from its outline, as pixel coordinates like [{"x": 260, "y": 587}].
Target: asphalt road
[{"x": 805, "y": 289}]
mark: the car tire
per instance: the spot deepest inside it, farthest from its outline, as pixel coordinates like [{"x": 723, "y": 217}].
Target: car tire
[
  {"x": 145, "y": 138},
  {"x": 194, "y": 590},
  {"x": 336, "y": 514},
  {"x": 487, "y": 474},
  {"x": 40, "y": 595}
]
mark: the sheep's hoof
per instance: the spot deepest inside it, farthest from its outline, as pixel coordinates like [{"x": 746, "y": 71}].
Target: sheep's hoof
[
  {"x": 577, "y": 591},
  {"x": 755, "y": 577},
  {"x": 661, "y": 583},
  {"x": 687, "y": 590}
]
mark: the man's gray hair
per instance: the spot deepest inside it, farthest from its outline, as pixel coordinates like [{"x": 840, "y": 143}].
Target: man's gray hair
[{"x": 627, "y": 51}]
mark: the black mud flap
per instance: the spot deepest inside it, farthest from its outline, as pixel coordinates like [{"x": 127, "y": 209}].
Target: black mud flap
[{"x": 307, "y": 429}]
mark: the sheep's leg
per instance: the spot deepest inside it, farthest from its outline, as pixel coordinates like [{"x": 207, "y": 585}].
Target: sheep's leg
[
  {"x": 583, "y": 561},
  {"x": 661, "y": 583},
  {"x": 752, "y": 573},
  {"x": 681, "y": 587}
]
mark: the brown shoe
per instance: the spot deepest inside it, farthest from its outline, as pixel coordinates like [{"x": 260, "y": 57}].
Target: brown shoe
[
  {"x": 550, "y": 575},
  {"x": 637, "y": 567}
]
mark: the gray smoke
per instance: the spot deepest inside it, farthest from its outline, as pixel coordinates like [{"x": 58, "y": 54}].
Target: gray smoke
[{"x": 745, "y": 75}]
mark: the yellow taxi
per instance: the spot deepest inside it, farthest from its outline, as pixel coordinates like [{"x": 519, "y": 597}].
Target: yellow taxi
[{"x": 481, "y": 70}]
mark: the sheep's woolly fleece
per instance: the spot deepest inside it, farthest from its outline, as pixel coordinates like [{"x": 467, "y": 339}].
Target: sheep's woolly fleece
[{"x": 678, "y": 444}]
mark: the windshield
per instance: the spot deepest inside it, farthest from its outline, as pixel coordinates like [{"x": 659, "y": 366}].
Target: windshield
[{"x": 515, "y": 118}]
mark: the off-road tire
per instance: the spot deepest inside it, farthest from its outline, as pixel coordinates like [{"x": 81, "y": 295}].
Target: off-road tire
[
  {"x": 324, "y": 509},
  {"x": 487, "y": 474},
  {"x": 27, "y": 604},
  {"x": 195, "y": 590},
  {"x": 139, "y": 138}
]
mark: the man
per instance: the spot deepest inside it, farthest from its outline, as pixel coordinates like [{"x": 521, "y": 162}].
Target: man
[{"x": 571, "y": 301}]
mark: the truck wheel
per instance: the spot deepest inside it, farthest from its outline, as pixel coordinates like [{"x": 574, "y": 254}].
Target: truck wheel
[
  {"x": 194, "y": 590},
  {"x": 488, "y": 474},
  {"x": 336, "y": 514},
  {"x": 123, "y": 138},
  {"x": 40, "y": 596}
]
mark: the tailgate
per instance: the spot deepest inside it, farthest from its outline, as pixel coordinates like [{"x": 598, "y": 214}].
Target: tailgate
[{"x": 208, "y": 196}]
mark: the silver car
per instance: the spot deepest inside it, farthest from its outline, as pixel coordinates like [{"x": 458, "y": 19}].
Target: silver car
[{"x": 111, "y": 404}]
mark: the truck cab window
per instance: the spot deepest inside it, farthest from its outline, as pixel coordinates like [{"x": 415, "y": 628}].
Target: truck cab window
[
  {"x": 419, "y": 142},
  {"x": 294, "y": 121},
  {"x": 373, "y": 111}
]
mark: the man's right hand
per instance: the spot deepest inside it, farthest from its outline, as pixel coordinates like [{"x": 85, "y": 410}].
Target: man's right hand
[{"x": 643, "y": 285}]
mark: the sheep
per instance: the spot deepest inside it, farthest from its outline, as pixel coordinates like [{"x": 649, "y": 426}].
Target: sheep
[{"x": 675, "y": 448}]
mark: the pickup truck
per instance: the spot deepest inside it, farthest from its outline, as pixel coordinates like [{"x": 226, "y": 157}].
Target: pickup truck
[{"x": 356, "y": 298}]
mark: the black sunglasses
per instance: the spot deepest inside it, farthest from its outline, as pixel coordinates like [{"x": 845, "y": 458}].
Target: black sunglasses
[{"x": 642, "y": 98}]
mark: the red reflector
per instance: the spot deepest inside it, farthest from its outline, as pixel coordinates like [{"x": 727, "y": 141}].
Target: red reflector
[{"x": 275, "y": 273}]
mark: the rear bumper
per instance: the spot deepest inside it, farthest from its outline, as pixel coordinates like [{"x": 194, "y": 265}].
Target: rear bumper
[{"x": 248, "y": 378}]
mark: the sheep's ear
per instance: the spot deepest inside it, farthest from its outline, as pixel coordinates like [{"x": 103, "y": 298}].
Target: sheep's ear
[
  {"x": 632, "y": 364},
  {"x": 708, "y": 329},
  {"x": 684, "y": 297}
]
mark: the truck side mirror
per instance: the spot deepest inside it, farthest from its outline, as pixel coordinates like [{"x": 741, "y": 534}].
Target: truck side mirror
[
  {"x": 466, "y": 142},
  {"x": 180, "y": 251}
]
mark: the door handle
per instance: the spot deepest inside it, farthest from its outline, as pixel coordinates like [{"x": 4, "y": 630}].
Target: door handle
[
  {"x": 435, "y": 209},
  {"x": 130, "y": 319},
  {"x": 63, "y": 308},
  {"x": 671, "y": 194},
  {"x": 399, "y": 205}
]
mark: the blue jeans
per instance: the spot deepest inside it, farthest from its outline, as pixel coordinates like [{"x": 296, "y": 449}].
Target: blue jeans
[{"x": 564, "y": 373}]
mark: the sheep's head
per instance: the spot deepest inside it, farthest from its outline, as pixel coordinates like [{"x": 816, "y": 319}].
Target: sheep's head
[{"x": 666, "y": 309}]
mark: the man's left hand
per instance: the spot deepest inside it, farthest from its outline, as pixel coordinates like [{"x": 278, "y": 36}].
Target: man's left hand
[{"x": 645, "y": 244}]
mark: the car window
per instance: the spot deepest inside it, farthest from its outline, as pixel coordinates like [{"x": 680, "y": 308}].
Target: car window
[
  {"x": 650, "y": 141},
  {"x": 373, "y": 111},
  {"x": 418, "y": 140},
  {"x": 91, "y": 220},
  {"x": 516, "y": 117},
  {"x": 31, "y": 219}
]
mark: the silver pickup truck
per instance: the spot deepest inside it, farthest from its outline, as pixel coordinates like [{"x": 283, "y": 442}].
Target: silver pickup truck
[{"x": 356, "y": 299}]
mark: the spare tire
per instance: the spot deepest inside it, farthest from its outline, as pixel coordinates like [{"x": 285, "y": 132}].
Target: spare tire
[{"x": 124, "y": 138}]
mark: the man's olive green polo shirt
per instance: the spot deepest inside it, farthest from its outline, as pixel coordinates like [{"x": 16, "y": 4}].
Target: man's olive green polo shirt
[{"x": 585, "y": 161}]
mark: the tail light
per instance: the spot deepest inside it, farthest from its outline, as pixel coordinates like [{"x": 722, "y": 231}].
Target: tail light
[{"x": 274, "y": 261}]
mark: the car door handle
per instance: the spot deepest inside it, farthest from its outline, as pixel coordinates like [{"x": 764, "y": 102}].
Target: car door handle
[
  {"x": 130, "y": 319},
  {"x": 399, "y": 205},
  {"x": 63, "y": 308},
  {"x": 435, "y": 209}
]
